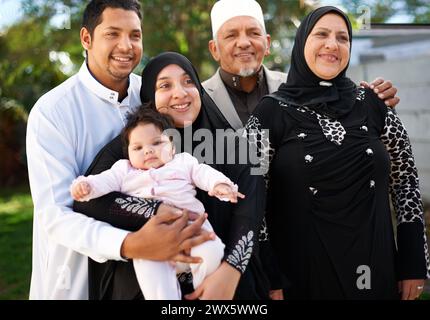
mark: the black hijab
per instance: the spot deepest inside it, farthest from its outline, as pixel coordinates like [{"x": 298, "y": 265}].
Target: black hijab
[
  {"x": 303, "y": 87},
  {"x": 209, "y": 117}
]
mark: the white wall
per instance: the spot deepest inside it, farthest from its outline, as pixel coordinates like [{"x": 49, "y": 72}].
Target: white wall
[{"x": 411, "y": 76}]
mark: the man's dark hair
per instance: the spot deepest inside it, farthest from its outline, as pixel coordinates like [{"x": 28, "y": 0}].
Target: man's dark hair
[
  {"x": 145, "y": 114},
  {"x": 94, "y": 10}
]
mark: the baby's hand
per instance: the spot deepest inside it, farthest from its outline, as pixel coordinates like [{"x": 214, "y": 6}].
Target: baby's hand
[
  {"x": 80, "y": 190},
  {"x": 226, "y": 192}
]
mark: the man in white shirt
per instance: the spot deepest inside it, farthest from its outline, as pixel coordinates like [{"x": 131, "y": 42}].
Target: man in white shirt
[{"x": 66, "y": 128}]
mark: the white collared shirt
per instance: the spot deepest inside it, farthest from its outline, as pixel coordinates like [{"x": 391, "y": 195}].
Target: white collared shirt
[{"x": 66, "y": 129}]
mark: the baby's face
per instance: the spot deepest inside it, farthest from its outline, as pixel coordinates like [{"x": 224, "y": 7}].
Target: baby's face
[{"x": 148, "y": 147}]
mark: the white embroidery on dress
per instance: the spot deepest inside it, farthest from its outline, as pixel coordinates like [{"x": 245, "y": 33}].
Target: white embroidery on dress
[
  {"x": 240, "y": 255},
  {"x": 283, "y": 104},
  {"x": 185, "y": 277},
  {"x": 137, "y": 206},
  {"x": 361, "y": 94}
]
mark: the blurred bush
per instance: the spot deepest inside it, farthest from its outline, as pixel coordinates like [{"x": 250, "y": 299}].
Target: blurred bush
[{"x": 13, "y": 121}]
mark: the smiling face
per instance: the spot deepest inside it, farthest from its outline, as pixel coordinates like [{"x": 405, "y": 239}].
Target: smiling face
[
  {"x": 327, "y": 48},
  {"x": 177, "y": 95},
  {"x": 115, "y": 48},
  {"x": 148, "y": 147},
  {"x": 241, "y": 46}
]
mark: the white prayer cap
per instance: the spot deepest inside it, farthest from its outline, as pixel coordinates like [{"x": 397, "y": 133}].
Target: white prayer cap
[{"x": 224, "y": 10}]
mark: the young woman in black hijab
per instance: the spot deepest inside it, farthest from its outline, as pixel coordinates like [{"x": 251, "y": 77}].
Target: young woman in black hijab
[
  {"x": 236, "y": 224},
  {"x": 335, "y": 153}
]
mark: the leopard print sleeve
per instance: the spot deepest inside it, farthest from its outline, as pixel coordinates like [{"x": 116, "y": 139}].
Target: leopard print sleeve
[
  {"x": 260, "y": 136},
  {"x": 404, "y": 176},
  {"x": 406, "y": 197},
  {"x": 259, "y": 141}
]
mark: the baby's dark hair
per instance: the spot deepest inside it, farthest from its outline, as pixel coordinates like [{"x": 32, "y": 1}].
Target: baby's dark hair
[{"x": 145, "y": 114}]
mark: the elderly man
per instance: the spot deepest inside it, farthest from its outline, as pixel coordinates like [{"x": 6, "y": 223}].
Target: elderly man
[{"x": 239, "y": 45}]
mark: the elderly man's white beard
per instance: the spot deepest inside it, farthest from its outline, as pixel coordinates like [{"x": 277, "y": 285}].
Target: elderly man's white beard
[{"x": 247, "y": 72}]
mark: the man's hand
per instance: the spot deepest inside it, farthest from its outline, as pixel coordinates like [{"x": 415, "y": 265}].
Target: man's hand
[
  {"x": 192, "y": 235},
  {"x": 165, "y": 236},
  {"x": 220, "y": 285},
  {"x": 384, "y": 90},
  {"x": 411, "y": 289}
]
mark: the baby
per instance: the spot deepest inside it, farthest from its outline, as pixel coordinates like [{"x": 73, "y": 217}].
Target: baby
[{"x": 155, "y": 171}]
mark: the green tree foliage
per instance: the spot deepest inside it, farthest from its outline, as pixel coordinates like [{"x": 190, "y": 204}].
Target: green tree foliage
[
  {"x": 43, "y": 48},
  {"x": 420, "y": 9},
  {"x": 28, "y": 64},
  {"x": 30, "y": 60},
  {"x": 178, "y": 25},
  {"x": 184, "y": 26}
]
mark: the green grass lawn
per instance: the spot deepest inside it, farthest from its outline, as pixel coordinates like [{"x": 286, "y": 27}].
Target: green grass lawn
[{"x": 16, "y": 216}]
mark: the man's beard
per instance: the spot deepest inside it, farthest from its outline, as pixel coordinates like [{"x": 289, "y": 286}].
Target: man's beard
[{"x": 247, "y": 72}]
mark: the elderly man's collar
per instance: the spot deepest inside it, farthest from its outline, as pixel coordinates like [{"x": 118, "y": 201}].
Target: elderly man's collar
[{"x": 233, "y": 80}]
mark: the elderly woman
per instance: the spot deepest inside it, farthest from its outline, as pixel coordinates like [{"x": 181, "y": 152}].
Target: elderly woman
[
  {"x": 172, "y": 84},
  {"x": 335, "y": 154}
]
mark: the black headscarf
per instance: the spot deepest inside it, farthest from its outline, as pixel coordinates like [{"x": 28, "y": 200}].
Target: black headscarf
[
  {"x": 209, "y": 117},
  {"x": 303, "y": 87}
]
